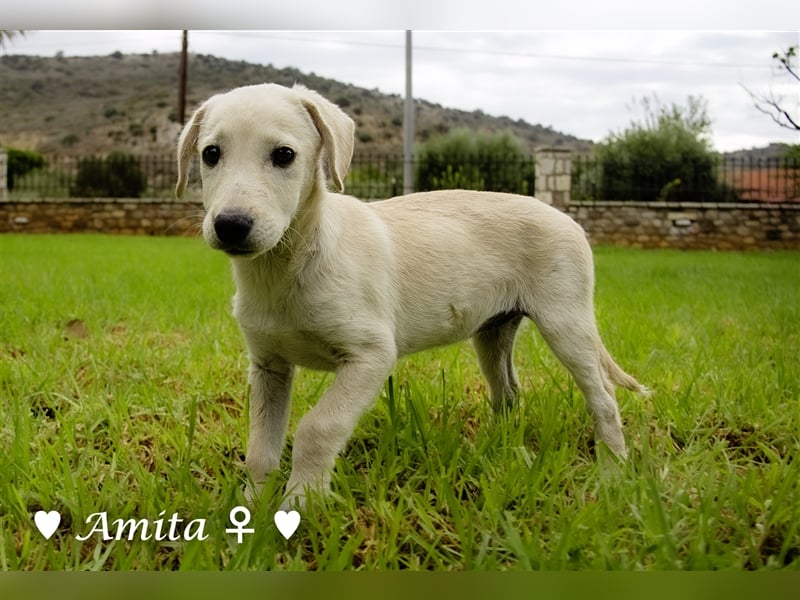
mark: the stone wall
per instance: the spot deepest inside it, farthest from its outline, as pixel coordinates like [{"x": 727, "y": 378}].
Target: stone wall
[
  {"x": 121, "y": 216},
  {"x": 634, "y": 224},
  {"x": 690, "y": 225}
]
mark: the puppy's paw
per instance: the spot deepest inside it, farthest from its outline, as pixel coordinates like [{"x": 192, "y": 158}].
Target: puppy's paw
[
  {"x": 294, "y": 501},
  {"x": 252, "y": 492}
]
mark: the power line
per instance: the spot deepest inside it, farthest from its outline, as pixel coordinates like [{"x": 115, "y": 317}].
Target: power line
[
  {"x": 443, "y": 49},
  {"x": 509, "y": 53}
]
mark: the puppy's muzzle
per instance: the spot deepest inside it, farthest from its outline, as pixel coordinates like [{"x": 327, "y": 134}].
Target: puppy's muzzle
[{"x": 232, "y": 229}]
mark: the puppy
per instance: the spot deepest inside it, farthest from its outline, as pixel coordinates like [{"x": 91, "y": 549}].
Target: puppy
[{"x": 324, "y": 281}]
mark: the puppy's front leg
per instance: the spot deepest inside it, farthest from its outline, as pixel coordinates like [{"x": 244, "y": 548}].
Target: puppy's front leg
[
  {"x": 323, "y": 432},
  {"x": 270, "y": 399}
]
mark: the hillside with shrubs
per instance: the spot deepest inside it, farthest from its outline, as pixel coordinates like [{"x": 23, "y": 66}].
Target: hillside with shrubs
[{"x": 79, "y": 106}]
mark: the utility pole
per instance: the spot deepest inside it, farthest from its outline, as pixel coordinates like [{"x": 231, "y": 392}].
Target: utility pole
[
  {"x": 182, "y": 79},
  {"x": 408, "y": 125}
]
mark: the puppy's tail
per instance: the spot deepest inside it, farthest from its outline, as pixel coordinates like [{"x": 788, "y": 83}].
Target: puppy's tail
[{"x": 619, "y": 377}]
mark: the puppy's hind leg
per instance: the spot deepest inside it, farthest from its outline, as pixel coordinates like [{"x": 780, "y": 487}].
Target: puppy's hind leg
[
  {"x": 494, "y": 344},
  {"x": 571, "y": 332}
]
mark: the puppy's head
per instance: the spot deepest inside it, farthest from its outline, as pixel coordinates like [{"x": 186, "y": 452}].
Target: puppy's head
[{"x": 261, "y": 152}]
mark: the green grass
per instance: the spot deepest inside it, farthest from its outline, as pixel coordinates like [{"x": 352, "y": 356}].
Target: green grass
[{"x": 139, "y": 407}]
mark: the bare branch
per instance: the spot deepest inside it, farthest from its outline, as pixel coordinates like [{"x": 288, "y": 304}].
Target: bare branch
[
  {"x": 771, "y": 106},
  {"x": 775, "y": 112}
]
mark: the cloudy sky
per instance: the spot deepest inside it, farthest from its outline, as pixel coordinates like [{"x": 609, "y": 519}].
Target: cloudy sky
[{"x": 585, "y": 83}]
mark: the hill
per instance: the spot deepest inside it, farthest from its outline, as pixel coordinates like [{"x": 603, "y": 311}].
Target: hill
[
  {"x": 94, "y": 105},
  {"x": 774, "y": 151}
]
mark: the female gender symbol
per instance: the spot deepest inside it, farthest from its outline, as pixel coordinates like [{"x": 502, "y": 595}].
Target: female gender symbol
[{"x": 239, "y": 528}]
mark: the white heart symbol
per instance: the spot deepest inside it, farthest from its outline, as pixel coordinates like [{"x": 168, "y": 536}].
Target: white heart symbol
[
  {"x": 287, "y": 522},
  {"x": 47, "y": 522}
]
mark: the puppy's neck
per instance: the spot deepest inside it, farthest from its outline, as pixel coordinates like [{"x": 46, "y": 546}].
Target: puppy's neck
[{"x": 304, "y": 248}]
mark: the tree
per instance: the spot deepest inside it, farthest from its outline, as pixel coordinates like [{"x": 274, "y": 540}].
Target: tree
[
  {"x": 666, "y": 155},
  {"x": 776, "y": 107}
]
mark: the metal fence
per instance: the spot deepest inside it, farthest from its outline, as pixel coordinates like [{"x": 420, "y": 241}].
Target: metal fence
[
  {"x": 381, "y": 176},
  {"x": 377, "y": 177},
  {"x": 762, "y": 180},
  {"x": 90, "y": 176},
  {"x": 727, "y": 179}
]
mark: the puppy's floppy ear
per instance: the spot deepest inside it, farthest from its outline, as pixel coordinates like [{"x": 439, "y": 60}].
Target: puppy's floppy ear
[
  {"x": 187, "y": 146},
  {"x": 337, "y": 132}
]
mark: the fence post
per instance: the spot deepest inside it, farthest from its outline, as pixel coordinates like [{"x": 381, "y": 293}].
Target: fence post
[
  {"x": 3, "y": 174},
  {"x": 553, "y": 176}
]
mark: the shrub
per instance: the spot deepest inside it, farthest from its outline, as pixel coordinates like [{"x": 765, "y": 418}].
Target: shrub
[
  {"x": 136, "y": 129},
  {"x": 70, "y": 140},
  {"x": 465, "y": 159},
  {"x": 21, "y": 162},
  {"x": 117, "y": 176},
  {"x": 666, "y": 156},
  {"x": 792, "y": 151}
]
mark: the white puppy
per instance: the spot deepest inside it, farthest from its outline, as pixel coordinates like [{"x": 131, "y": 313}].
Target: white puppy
[{"x": 325, "y": 281}]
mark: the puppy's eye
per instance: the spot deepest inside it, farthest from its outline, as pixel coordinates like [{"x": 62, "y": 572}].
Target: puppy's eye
[
  {"x": 282, "y": 157},
  {"x": 211, "y": 155}
]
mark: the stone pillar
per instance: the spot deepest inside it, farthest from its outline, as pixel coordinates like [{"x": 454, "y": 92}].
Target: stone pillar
[
  {"x": 553, "y": 176},
  {"x": 3, "y": 174}
]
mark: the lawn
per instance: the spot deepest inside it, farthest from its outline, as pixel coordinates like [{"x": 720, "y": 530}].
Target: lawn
[{"x": 124, "y": 391}]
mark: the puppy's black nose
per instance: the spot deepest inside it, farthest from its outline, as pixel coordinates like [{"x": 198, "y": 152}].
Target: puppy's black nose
[{"x": 233, "y": 227}]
